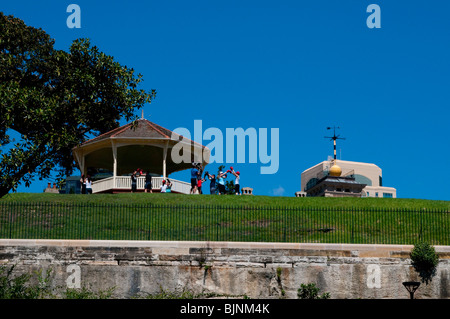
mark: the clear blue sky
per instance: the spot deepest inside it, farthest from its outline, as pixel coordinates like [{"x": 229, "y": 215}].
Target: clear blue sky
[{"x": 299, "y": 66}]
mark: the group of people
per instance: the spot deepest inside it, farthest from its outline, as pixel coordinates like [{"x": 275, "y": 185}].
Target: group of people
[
  {"x": 166, "y": 185},
  {"x": 86, "y": 184},
  {"x": 217, "y": 184}
]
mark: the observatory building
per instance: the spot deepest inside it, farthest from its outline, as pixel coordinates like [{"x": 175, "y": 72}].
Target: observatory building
[{"x": 337, "y": 178}]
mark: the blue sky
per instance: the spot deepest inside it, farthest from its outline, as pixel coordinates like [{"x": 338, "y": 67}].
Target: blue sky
[{"x": 299, "y": 66}]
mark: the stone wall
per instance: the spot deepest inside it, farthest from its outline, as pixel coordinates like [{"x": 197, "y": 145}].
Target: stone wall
[{"x": 230, "y": 268}]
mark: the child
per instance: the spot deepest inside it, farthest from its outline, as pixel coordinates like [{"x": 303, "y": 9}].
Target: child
[{"x": 199, "y": 185}]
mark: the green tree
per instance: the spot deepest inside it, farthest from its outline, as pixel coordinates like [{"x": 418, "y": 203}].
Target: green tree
[
  {"x": 54, "y": 100},
  {"x": 229, "y": 187},
  {"x": 424, "y": 259}
]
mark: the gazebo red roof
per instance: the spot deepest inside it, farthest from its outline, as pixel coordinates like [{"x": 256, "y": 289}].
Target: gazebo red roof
[{"x": 144, "y": 128}]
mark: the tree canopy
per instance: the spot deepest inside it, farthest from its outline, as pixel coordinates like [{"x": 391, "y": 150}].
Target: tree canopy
[{"x": 54, "y": 100}]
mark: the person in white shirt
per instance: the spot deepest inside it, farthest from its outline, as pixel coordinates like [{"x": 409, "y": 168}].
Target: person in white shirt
[
  {"x": 163, "y": 187},
  {"x": 88, "y": 185},
  {"x": 237, "y": 189}
]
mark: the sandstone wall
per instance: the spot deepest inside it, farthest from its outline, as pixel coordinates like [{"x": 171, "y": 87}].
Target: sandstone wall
[{"x": 230, "y": 268}]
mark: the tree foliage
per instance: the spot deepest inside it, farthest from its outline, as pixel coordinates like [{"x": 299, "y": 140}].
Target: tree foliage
[
  {"x": 20, "y": 286},
  {"x": 310, "y": 291},
  {"x": 424, "y": 259},
  {"x": 54, "y": 100}
]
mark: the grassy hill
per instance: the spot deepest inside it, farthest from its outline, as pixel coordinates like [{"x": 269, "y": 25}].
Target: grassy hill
[
  {"x": 157, "y": 216},
  {"x": 267, "y": 201}
]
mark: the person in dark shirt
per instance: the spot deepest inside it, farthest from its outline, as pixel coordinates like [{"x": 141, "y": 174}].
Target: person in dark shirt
[
  {"x": 148, "y": 182},
  {"x": 212, "y": 185},
  {"x": 83, "y": 184},
  {"x": 194, "y": 175},
  {"x": 133, "y": 182}
]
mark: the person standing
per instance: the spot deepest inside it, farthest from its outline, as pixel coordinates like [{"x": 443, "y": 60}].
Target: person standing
[
  {"x": 194, "y": 175},
  {"x": 133, "y": 182},
  {"x": 212, "y": 183},
  {"x": 199, "y": 184},
  {"x": 148, "y": 182},
  {"x": 88, "y": 185},
  {"x": 221, "y": 182},
  {"x": 83, "y": 184},
  {"x": 237, "y": 189}
]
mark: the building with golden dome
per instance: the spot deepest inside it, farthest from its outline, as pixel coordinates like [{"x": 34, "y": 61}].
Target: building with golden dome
[{"x": 338, "y": 178}]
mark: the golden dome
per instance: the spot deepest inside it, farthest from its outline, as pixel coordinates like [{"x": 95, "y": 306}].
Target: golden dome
[{"x": 335, "y": 170}]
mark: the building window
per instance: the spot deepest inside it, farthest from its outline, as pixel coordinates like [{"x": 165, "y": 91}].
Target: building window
[
  {"x": 376, "y": 194},
  {"x": 311, "y": 183},
  {"x": 387, "y": 195},
  {"x": 368, "y": 194},
  {"x": 362, "y": 179}
]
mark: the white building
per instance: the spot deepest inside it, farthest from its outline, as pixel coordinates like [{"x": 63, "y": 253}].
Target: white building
[{"x": 364, "y": 173}]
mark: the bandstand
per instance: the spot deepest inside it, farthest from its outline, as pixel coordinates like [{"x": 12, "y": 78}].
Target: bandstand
[{"x": 112, "y": 157}]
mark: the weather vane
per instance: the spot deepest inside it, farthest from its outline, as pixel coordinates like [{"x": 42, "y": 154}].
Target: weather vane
[{"x": 334, "y": 138}]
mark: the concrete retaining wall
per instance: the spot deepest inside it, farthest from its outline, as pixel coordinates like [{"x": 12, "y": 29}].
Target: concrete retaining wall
[{"x": 231, "y": 268}]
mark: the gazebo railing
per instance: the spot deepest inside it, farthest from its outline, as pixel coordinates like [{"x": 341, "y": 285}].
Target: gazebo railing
[
  {"x": 102, "y": 185},
  {"x": 180, "y": 186},
  {"x": 123, "y": 183}
]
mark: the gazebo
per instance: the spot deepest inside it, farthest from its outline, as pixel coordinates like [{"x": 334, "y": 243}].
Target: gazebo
[{"x": 112, "y": 157}]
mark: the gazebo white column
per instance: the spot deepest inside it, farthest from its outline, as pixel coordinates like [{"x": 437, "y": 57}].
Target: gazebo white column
[
  {"x": 80, "y": 159},
  {"x": 114, "y": 151},
  {"x": 166, "y": 145}
]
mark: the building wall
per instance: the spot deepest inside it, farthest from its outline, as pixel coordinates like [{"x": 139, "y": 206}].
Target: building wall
[
  {"x": 257, "y": 270},
  {"x": 380, "y": 192}
]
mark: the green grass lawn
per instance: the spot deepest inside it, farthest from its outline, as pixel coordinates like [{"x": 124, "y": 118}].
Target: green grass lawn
[
  {"x": 157, "y": 216},
  {"x": 267, "y": 201}
]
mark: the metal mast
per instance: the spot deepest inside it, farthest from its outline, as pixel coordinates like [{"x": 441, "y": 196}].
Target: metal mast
[{"x": 334, "y": 138}]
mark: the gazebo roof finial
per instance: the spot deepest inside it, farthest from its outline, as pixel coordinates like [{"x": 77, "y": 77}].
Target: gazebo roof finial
[{"x": 142, "y": 114}]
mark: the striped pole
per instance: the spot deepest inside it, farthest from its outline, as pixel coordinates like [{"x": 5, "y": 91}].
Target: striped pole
[
  {"x": 334, "y": 150},
  {"x": 334, "y": 138}
]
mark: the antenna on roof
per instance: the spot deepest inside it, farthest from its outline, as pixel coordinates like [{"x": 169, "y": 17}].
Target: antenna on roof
[
  {"x": 142, "y": 114},
  {"x": 334, "y": 138}
]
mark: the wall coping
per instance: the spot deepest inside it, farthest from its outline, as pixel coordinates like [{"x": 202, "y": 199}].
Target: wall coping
[{"x": 210, "y": 244}]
